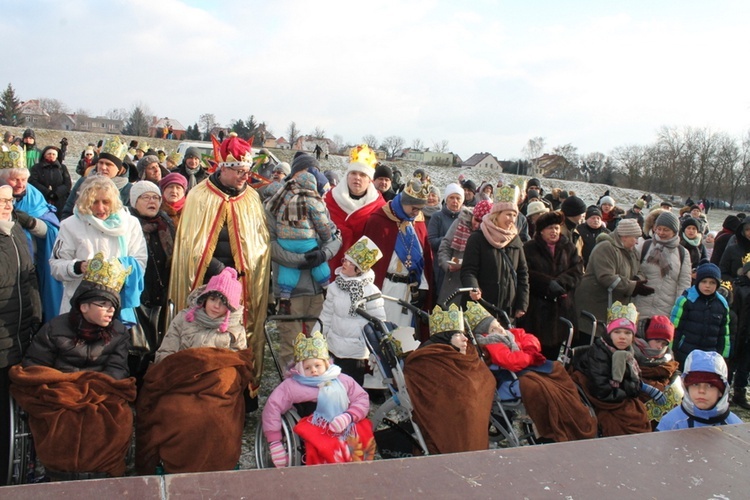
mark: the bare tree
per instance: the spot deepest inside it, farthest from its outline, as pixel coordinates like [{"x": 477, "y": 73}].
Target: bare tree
[
  {"x": 81, "y": 112},
  {"x": 417, "y": 144},
  {"x": 53, "y": 106},
  {"x": 533, "y": 148},
  {"x": 631, "y": 160},
  {"x": 338, "y": 143},
  {"x": 207, "y": 122},
  {"x": 292, "y": 133},
  {"x": 319, "y": 133},
  {"x": 117, "y": 114},
  {"x": 572, "y": 166},
  {"x": 440, "y": 146},
  {"x": 392, "y": 145},
  {"x": 370, "y": 140}
]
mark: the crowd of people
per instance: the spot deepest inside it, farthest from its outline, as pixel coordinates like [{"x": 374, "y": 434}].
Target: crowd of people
[{"x": 93, "y": 269}]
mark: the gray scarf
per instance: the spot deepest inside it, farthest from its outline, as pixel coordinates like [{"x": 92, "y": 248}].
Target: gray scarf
[{"x": 657, "y": 255}]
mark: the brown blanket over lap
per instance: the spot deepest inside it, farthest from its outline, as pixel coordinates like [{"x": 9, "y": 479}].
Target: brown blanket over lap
[
  {"x": 452, "y": 396},
  {"x": 190, "y": 411},
  {"x": 658, "y": 376},
  {"x": 616, "y": 419},
  {"x": 81, "y": 422},
  {"x": 553, "y": 403}
]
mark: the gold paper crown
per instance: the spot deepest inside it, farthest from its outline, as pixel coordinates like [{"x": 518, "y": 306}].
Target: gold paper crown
[
  {"x": 107, "y": 273},
  {"x": 507, "y": 194},
  {"x": 364, "y": 254},
  {"x": 475, "y": 314},
  {"x": 314, "y": 347},
  {"x": 115, "y": 147},
  {"x": 746, "y": 258},
  {"x": 619, "y": 310},
  {"x": 363, "y": 154},
  {"x": 417, "y": 189},
  {"x": 13, "y": 158},
  {"x": 175, "y": 158},
  {"x": 142, "y": 146},
  {"x": 451, "y": 320},
  {"x": 727, "y": 285}
]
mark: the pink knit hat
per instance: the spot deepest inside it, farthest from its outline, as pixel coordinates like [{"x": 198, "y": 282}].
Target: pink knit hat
[
  {"x": 621, "y": 323},
  {"x": 226, "y": 284}
]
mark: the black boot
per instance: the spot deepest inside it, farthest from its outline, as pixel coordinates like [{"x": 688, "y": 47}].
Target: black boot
[{"x": 740, "y": 398}]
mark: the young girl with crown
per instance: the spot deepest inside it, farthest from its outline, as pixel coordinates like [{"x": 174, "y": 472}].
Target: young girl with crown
[{"x": 338, "y": 431}]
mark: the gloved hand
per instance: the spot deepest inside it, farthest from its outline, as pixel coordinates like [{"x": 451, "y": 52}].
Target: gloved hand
[
  {"x": 654, "y": 393},
  {"x": 278, "y": 454},
  {"x": 340, "y": 423},
  {"x": 555, "y": 289},
  {"x": 642, "y": 289},
  {"x": 315, "y": 258},
  {"x": 420, "y": 299},
  {"x": 25, "y": 220},
  {"x": 492, "y": 338}
]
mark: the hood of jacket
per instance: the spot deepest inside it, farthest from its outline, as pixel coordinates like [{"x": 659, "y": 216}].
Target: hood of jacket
[{"x": 712, "y": 362}]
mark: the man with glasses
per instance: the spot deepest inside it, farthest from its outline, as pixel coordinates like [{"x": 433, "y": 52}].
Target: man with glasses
[{"x": 223, "y": 225}]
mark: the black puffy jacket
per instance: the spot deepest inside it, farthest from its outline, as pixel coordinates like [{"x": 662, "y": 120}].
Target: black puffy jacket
[
  {"x": 596, "y": 364},
  {"x": 53, "y": 180}
]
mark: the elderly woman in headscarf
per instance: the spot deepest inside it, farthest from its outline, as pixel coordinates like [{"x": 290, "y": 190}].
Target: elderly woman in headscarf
[
  {"x": 173, "y": 189},
  {"x": 451, "y": 251},
  {"x": 494, "y": 262},
  {"x": 612, "y": 272},
  {"x": 100, "y": 224},
  {"x": 433, "y": 204}
]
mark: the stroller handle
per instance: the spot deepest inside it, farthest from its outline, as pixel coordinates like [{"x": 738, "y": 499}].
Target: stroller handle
[
  {"x": 423, "y": 316},
  {"x": 502, "y": 315}
]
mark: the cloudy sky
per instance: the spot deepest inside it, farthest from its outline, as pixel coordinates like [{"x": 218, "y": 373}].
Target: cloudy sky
[{"x": 485, "y": 75}]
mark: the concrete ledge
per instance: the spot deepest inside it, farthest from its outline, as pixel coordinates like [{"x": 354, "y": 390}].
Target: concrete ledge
[{"x": 696, "y": 463}]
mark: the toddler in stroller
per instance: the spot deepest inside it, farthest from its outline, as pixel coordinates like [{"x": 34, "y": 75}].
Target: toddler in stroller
[{"x": 338, "y": 430}]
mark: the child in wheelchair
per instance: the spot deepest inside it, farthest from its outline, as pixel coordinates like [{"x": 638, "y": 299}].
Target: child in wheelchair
[
  {"x": 338, "y": 431},
  {"x": 549, "y": 395},
  {"x": 342, "y": 326}
]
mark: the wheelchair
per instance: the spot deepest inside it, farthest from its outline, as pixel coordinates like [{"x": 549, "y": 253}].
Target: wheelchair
[{"x": 21, "y": 457}]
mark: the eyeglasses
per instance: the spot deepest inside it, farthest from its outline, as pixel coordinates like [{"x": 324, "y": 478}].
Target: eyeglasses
[
  {"x": 107, "y": 306},
  {"x": 150, "y": 197},
  {"x": 6, "y": 201},
  {"x": 240, "y": 172}
]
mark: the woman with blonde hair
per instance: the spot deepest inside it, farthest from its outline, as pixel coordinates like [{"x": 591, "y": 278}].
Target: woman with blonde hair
[{"x": 99, "y": 223}]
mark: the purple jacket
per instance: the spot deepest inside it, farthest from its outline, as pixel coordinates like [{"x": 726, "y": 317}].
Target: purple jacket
[{"x": 290, "y": 392}]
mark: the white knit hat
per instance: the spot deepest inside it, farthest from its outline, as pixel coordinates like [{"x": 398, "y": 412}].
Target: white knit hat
[
  {"x": 142, "y": 187},
  {"x": 454, "y": 188}
]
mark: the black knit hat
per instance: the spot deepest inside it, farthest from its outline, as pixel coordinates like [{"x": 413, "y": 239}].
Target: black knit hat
[
  {"x": 469, "y": 184},
  {"x": 29, "y": 133},
  {"x": 548, "y": 219},
  {"x": 573, "y": 206},
  {"x": 533, "y": 182},
  {"x": 303, "y": 162},
  {"x": 383, "y": 171},
  {"x": 689, "y": 221},
  {"x": 731, "y": 223},
  {"x": 592, "y": 211}
]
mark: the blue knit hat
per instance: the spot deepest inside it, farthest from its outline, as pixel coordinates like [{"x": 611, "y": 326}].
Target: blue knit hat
[{"x": 707, "y": 270}]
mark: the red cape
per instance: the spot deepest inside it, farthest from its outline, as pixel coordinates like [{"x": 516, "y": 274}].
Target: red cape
[{"x": 351, "y": 226}]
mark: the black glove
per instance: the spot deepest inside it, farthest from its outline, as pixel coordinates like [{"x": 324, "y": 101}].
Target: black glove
[
  {"x": 420, "y": 299},
  {"x": 555, "y": 289},
  {"x": 25, "y": 220},
  {"x": 314, "y": 258},
  {"x": 642, "y": 289}
]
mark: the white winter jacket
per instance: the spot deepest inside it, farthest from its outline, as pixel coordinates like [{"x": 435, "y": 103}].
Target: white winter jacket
[
  {"x": 342, "y": 331},
  {"x": 667, "y": 288}
]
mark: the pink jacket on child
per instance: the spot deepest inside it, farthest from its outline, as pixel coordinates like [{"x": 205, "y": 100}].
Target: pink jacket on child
[{"x": 290, "y": 392}]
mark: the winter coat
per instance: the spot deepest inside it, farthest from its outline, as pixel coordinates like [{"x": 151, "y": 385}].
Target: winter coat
[
  {"x": 528, "y": 353},
  {"x": 720, "y": 245},
  {"x": 55, "y": 346},
  {"x": 570, "y": 230},
  {"x": 731, "y": 260},
  {"x": 588, "y": 237},
  {"x": 608, "y": 262},
  {"x": 697, "y": 253},
  {"x": 687, "y": 415},
  {"x": 501, "y": 274},
  {"x": 315, "y": 225},
  {"x": 53, "y": 180},
  {"x": 343, "y": 331},
  {"x": 183, "y": 334},
  {"x": 437, "y": 228},
  {"x": 79, "y": 240},
  {"x": 700, "y": 322},
  {"x": 200, "y": 175},
  {"x": 596, "y": 364},
  {"x": 291, "y": 392},
  {"x": 545, "y": 308},
  {"x": 668, "y": 287},
  {"x": 451, "y": 280},
  {"x": 20, "y": 305}
]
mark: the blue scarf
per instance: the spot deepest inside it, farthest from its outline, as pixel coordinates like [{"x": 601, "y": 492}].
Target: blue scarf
[
  {"x": 51, "y": 290},
  {"x": 407, "y": 245},
  {"x": 332, "y": 397}
]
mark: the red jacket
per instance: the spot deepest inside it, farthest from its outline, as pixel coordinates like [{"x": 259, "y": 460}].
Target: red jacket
[{"x": 530, "y": 353}]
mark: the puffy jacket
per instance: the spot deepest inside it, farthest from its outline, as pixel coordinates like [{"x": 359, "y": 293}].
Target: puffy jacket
[
  {"x": 55, "y": 346},
  {"x": 596, "y": 364},
  {"x": 700, "y": 322},
  {"x": 53, "y": 180},
  {"x": 669, "y": 287},
  {"x": 588, "y": 237}
]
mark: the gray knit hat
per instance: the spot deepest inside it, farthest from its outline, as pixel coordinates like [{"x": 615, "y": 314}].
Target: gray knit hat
[
  {"x": 628, "y": 227},
  {"x": 668, "y": 219}
]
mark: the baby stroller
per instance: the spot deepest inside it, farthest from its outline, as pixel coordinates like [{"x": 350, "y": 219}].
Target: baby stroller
[
  {"x": 294, "y": 446},
  {"x": 396, "y": 433}
]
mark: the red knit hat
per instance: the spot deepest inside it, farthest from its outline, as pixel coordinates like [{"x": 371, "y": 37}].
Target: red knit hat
[
  {"x": 713, "y": 379},
  {"x": 482, "y": 209},
  {"x": 660, "y": 328}
]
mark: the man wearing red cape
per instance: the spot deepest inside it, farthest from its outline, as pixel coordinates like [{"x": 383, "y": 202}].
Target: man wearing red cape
[{"x": 223, "y": 224}]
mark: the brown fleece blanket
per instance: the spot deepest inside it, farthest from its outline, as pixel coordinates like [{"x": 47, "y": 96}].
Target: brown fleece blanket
[
  {"x": 659, "y": 376},
  {"x": 553, "y": 403},
  {"x": 81, "y": 422},
  {"x": 616, "y": 419},
  {"x": 191, "y": 411},
  {"x": 452, "y": 396}
]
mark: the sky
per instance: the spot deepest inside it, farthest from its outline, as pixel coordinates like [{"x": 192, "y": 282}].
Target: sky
[{"x": 484, "y": 75}]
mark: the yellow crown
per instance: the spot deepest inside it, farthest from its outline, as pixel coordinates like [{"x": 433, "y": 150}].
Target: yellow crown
[
  {"x": 175, "y": 158},
  {"x": 619, "y": 310},
  {"x": 142, "y": 146},
  {"x": 746, "y": 258},
  {"x": 115, "y": 147},
  {"x": 313, "y": 347},
  {"x": 507, "y": 194},
  {"x": 107, "y": 273},
  {"x": 363, "y": 154},
  {"x": 364, "y": 254},
  {"x": 417, "y": 189},
  {"x": 475, "y": 314},
  {"x": 13, "y": 158},
  {"x": 450, "y": 320},
  {"x": 727, "y": 285}
]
